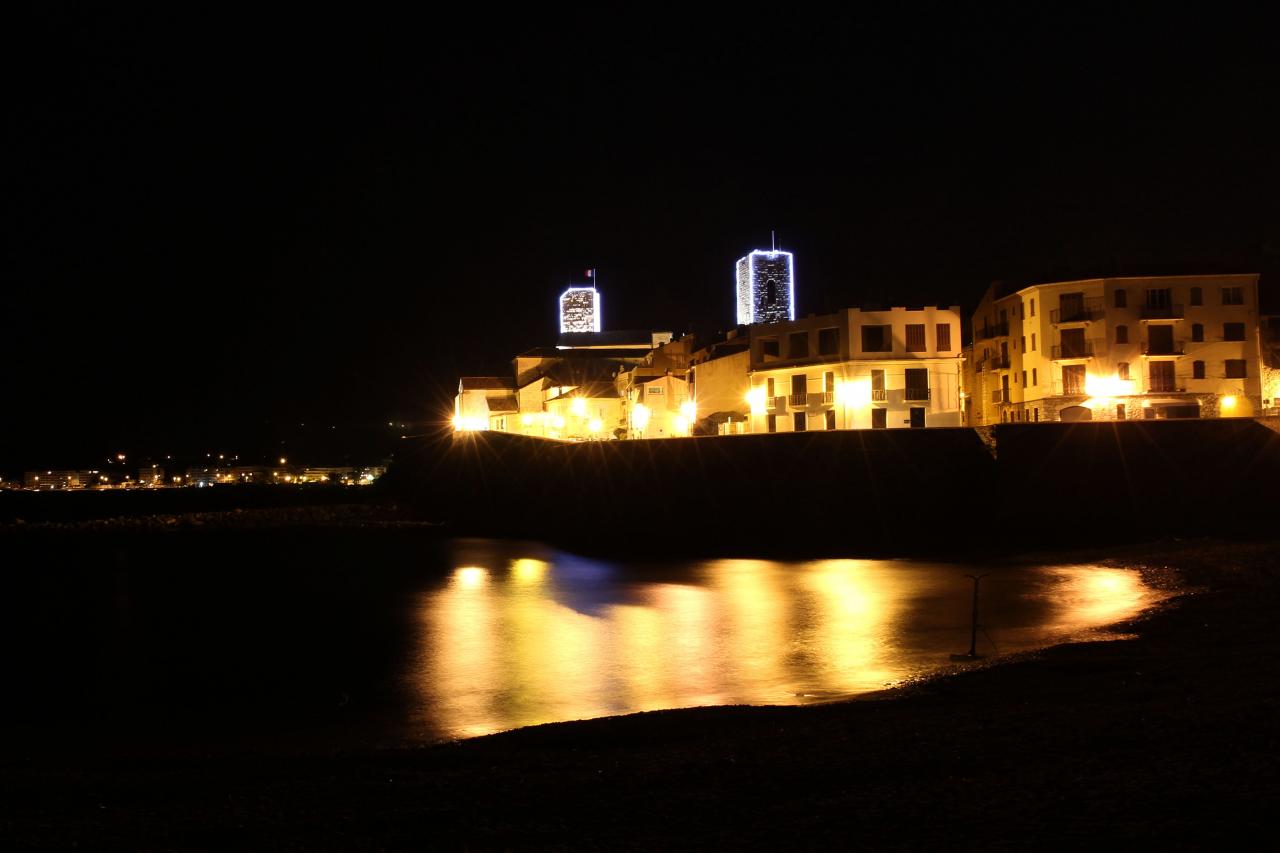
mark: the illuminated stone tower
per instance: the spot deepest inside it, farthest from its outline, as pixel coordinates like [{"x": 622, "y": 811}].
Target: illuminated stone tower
[
  {"x": 766, "y": 287},
  {"x": 580, "y": 310}
]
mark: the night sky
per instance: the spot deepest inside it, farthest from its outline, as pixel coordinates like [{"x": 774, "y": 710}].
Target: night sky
[{"x": 222, "y": 228}]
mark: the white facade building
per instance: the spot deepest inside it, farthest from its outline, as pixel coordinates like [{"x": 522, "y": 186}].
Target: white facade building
[
  {"x": 1118, "y": 349},
  {"x": 857, "y": 370}
]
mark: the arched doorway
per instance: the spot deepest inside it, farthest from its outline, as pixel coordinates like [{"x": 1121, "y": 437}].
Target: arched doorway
[{"x": 1076, "y": 413}]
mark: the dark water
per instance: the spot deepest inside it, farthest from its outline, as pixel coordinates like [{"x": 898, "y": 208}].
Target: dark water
[{"x": 281, "y": 640}]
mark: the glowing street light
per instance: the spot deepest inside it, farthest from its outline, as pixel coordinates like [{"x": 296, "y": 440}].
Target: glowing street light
[{"x": 640, "y": 415}]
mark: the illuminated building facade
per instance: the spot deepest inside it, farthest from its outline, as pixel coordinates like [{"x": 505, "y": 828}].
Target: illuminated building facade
[
  {"x": 857, "y": 369},
  {"x": 1118, "y": 349},
  {"x": 720, "y": 379},
  {"x": 479, "y": 398},
  {"x": 766, "y": 287},
  {"x": 1270, "y": 372},
  {"x": 580, "y": 310}
]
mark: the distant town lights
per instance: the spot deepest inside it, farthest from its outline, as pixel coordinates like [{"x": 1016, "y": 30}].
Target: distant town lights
[
  {"x": 578, "y": 407},
  {"x": 640, "y": 415}
]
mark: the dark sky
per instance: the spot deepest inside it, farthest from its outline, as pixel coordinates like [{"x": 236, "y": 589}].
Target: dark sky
[{"x": 224, "y": 222}]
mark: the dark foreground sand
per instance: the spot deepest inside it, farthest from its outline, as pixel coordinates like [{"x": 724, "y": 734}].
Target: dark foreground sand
[{"x": 1170, "y": 738}]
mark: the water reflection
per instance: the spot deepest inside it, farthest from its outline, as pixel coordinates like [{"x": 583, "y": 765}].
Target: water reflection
[{"x": 515, "y": 638}]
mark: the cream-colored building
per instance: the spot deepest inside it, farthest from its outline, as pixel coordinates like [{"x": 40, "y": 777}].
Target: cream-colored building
[
  {"x": 480, "y": 399},
  {"x": 720, "y": 377},
  {"x": 1118, "y": 349},
  {"x": 856, "y": 369},
  {"x": 658, "y": 407},
  {"x": 589, "y": 412}
]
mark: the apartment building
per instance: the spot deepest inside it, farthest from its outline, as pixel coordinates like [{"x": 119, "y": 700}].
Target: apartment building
[
  {"x": 1117, "y": 349},
  {"x": 857, "y": 369}
]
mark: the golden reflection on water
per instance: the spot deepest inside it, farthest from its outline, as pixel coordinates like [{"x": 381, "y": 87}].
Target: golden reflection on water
[
  {"x": 1096, "y": 595},
  {"x": 509, "y": 642}
]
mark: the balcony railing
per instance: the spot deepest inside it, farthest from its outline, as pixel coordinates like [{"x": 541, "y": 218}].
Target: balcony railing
[
  {"x": 801, "y": 399},
  {"x": 998, "y": 362},
  {"x": 1159, "y": 385},
  {"x": 1086, "y": 312},
  {"x": 992, "y": 330},
  {"x": 915, "y": 394},
  {"x": 1063, "y": 353},
  {"x": 999, "y": 396},
  {"x": 822, "y": 398},
  {"x": 879, "y": 395},
  {"x": 1173, "y": 348},
  {"x": 778, "y": 402},
  {"x": 1161, "y": 312}
]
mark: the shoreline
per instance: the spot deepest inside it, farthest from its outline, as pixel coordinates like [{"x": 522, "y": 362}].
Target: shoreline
[{"x": 1167, "y": 734}]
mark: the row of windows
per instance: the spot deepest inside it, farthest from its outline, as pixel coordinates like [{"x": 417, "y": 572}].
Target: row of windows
[
  {"x": 1230, "y": 332},
  {"x": 874, "y": 339},
  {"x": 1161, "y": 372},
  {"x": 915, "y": 379},
  {"x": 880, "y": 338},
  {"x": 879, "y": 420},
  {"x": 1162, "y": 297},
  {"x": 1156, "y": 298}
]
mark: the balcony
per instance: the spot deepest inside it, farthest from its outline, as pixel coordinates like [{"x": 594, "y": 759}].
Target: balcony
[
  {"x": 801, "y": 399},
  {"x": 822, "y": 398},
  {"x": 915, "y": 394},
  {"x": 778, "y": 403},
  {"x": 988, "y": 331},
  {"x": 1166, "y": 348},
  {"x": 1066, "y": 353},
  {"x": 999, "y": 396},
  {"x": 1161, "y": 312},
  {"x": 879, "y": 395},
  {"x": 998, "y": 362},
  {"x": 1086, "y": 312}
]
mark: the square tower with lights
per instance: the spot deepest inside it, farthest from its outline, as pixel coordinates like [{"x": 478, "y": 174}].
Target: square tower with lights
[
  {"x": 580, "y": 310},
  {"x": 766, "y": 287}
]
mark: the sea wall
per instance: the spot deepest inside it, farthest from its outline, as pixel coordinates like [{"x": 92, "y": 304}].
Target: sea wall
[{"x": 868, "y": 492}]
